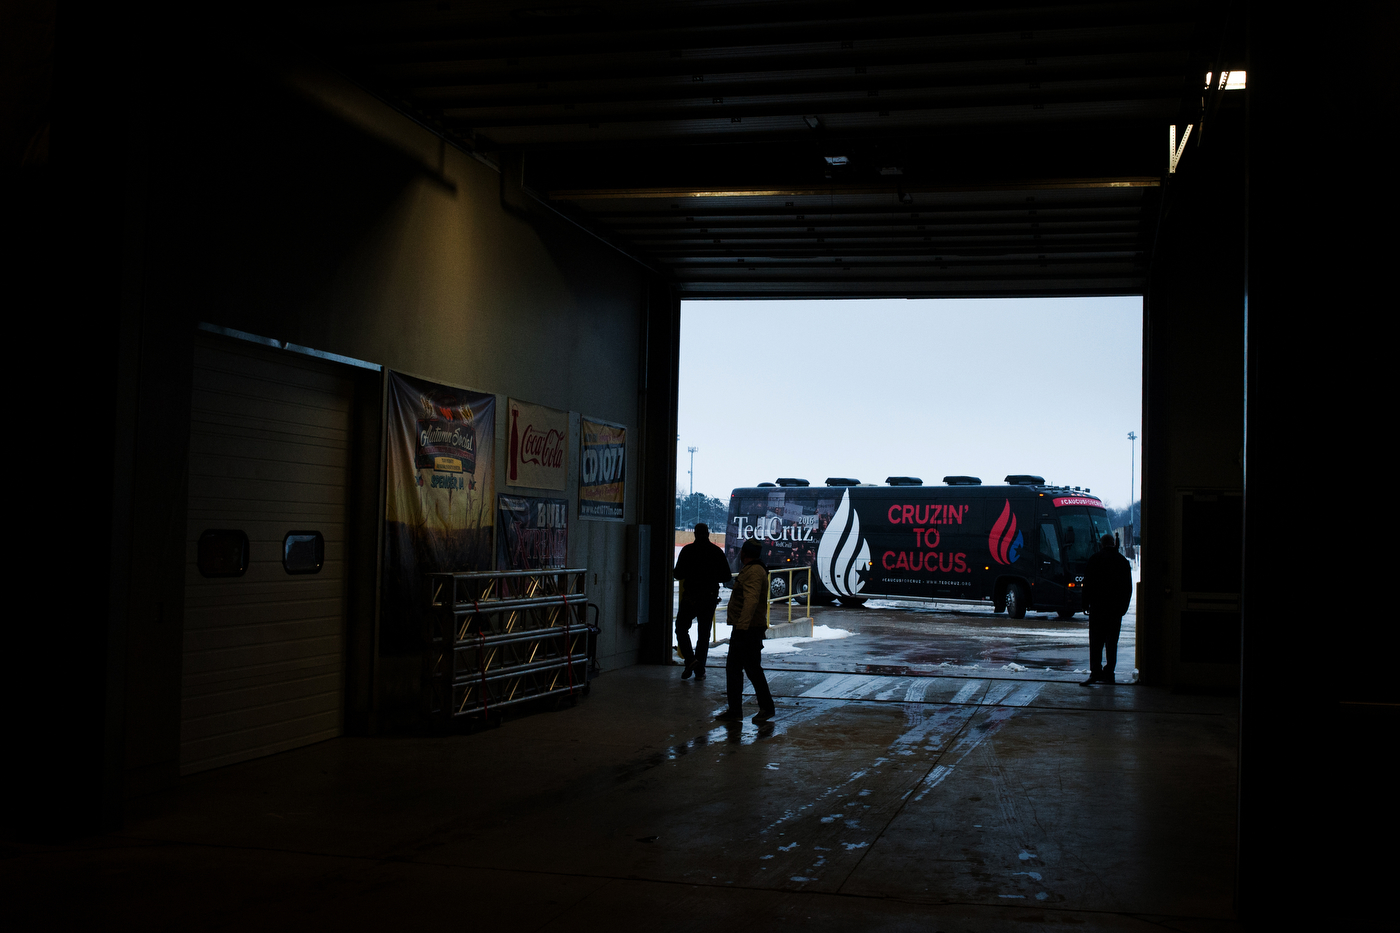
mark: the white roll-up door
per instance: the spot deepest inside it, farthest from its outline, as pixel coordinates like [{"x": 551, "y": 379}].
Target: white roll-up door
[{"x": 264, "y": 651}]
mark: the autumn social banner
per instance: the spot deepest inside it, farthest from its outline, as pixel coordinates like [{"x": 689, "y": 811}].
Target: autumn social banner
[
  {"x": 539, "y": 446},
  {"x": 439, "y": 493}
]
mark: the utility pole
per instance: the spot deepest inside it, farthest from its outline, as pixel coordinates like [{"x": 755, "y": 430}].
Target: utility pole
[
  {"x": 1132, "y": 478},
  {"x": 692, "y": 470}
]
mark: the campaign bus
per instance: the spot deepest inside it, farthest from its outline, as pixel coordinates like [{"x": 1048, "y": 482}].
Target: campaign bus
[{"x": 1016, "y": 547}]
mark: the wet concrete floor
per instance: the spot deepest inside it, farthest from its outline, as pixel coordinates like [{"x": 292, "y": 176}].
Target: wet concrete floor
[
  {"x": 956, "y": 642},
  {"x": 893, "y": 638},
  {"x": 872, "y": 802}
]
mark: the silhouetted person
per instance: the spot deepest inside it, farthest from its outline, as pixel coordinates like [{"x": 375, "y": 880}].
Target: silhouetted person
[
  {"x": 748, "y": 626},
  {"x": 1108, "y": 589},
  {"x": 701, "y": 568}
]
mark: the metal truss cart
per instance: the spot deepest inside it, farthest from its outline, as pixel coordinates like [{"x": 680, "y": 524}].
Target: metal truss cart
[{"x": 501, "y": 638}]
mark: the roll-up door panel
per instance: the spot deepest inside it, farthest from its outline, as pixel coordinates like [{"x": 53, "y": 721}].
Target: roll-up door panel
[{"x": 264, "y": 652}]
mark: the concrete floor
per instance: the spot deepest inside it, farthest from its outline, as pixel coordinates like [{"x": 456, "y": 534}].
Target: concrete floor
[{"x": 872, "y": 802}]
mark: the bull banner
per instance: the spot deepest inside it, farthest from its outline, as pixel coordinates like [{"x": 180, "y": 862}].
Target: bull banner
[
  {"x": 602, "y": 485},
  {"x": 532, "y": 533},
  {"x": 539, "y": 446},
  {"x": 439, "y": 494}
]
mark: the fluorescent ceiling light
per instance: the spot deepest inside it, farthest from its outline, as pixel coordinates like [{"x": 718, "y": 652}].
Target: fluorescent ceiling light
[{"x": 1234, "y": 80}]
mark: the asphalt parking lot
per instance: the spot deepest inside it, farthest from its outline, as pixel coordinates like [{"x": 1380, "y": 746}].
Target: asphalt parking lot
[
  {"x": 895, "y": 638},
  {"x": 890, "y": 637}
]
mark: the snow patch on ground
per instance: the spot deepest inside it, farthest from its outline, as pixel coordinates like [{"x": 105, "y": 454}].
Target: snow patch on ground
[{"x": 772, "y": 645}]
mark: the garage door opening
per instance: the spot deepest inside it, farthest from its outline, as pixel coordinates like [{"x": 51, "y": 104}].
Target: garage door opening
[{"x": 1004, "y": 423}]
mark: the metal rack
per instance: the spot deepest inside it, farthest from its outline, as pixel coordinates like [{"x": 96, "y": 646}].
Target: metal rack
[{"x": 500, "y": 638}]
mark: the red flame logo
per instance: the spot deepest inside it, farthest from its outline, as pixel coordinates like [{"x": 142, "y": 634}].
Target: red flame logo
[{"x": 1003, "y": 534}]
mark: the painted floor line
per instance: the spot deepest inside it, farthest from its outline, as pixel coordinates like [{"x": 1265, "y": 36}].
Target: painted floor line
[
  {"x": 971, "y": 738},
  {"x": 845, "y": 687},
  {"x": 945, "y": 721}
]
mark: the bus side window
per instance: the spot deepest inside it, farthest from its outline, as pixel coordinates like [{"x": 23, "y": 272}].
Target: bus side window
[
  {"x": 753, "y": 509},
  {"x": 1049, "y": 543}
]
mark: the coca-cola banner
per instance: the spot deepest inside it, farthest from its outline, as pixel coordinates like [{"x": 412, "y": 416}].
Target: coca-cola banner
[
  {"x": 539, "y": 446},
  {"x": 439, "y": 493},
  {"x": 532, "y": 533},
  {"x": 602, "y": 485}
]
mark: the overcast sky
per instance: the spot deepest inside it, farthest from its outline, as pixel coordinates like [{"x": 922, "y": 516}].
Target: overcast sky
[{"x": 927, "y": 388}]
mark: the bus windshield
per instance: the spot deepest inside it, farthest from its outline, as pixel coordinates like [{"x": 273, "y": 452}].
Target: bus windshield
[
  {"x": 1100, "y": 522},
  {"x": 1077, "y": 539}
]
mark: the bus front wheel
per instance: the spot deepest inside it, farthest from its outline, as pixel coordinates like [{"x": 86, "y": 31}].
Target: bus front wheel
[{"x": 1015, "y": 601}]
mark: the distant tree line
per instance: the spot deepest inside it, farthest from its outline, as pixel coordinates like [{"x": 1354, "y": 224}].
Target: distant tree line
[
  {"x": 1121, "y": 517},
  {"x": 698, "y": 507}
]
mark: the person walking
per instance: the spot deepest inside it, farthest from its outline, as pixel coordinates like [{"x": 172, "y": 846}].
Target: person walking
[
  {"x": 1108, "y": 590},
  {"x": 748, "y": 625},
  {"x": 701, "y": 567}
]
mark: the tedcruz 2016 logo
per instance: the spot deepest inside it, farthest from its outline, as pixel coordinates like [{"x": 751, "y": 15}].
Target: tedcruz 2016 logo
[
  {"x": 1005, "y": 541},
  {"x": 773, "y": 529}
]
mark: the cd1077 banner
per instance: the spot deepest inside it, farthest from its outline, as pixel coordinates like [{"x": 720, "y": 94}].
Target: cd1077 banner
[{"x": 602, "y": 485}]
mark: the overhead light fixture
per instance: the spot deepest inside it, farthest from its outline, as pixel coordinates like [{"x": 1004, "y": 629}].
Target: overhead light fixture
[
  {"x": 1229, "y": 81},
  {"x": 813, "y": 122},
  {"x": 837, "y": 161}
]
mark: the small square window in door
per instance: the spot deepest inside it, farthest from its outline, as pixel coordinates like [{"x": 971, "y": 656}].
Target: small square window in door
[
  {"x": 303, "y": 552},
  {"x": 222, "y": 552}
]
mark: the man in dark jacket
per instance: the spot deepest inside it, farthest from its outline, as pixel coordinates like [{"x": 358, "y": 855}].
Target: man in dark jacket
[
  {"x": 1108, "y": 589},
  {"x": 701, "y": 568}
]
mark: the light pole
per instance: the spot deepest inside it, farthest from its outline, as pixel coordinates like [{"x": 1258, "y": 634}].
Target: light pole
[
  {"x": 692, "y": 470},
  {"x": 1132, "y": 478}
]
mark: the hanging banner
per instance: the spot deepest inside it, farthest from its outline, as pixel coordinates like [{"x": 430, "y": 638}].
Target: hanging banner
[
  {"x": 602, "y": 486},
  {"x": 531, "y": 533},
  {"x": 539, "y": 446},
  {"x": 439, "y": 493}
]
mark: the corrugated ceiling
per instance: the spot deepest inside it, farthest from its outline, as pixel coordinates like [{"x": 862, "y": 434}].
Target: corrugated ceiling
[{"x": 789, "y": 148}]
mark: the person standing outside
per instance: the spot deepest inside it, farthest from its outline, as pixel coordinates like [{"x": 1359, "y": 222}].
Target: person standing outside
[
  {"x": 701, "y": 567},
  {"x": 748, "y": 625},
  {"x": 1108, "y": 589}
]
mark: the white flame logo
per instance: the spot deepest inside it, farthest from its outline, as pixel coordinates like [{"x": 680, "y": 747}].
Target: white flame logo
[{"x": 841, "y": 552}]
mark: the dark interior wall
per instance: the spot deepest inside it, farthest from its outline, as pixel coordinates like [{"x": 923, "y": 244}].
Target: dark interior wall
[
  {"x": 315, "y": 215},
  {"x": 1317, "y": 681},
  {"x": 661, "y": 367},
  {"x": 74, "y": 330},
  {"x": 283, "y": 202},
  {"x": 1193, "y": 410}
]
